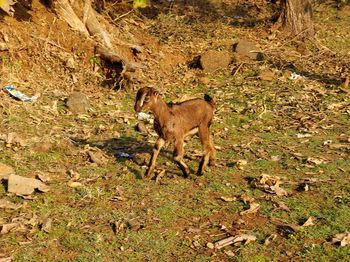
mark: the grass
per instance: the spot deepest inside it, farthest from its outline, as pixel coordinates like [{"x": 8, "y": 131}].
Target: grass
[{"x": 255, "y": 120}]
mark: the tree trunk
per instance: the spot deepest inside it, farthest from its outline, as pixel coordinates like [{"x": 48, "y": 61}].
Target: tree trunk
[
  {"x": 296, "y": 17},
  {"x": 83, "y": 18}
]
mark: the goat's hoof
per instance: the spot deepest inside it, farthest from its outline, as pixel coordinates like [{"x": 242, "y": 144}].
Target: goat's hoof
[{"x": 200, "y": 173}]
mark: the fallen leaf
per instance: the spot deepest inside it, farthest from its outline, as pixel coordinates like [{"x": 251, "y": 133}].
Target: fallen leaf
[
  {"x": 269, "y": 239},
  {"x": 244, "y": 238},
  {"x": 246, "y": 198},
  {"x": 25, "y": 186},
  {"x": 118, "y": 226},
  {"x": 270, "y": 184},
  {"x": 12, "y": 227},
  {"x": 196, "y": 244},
  {"x": 230, "y": 253},
  {"x": 253, "y": 208},
  {"x": 275, "y": 158},
  {"x": 241, "y": 164},
  {"x": 303, "y": 135},
  {"x": 316, "y": 161},
  {"x": 8, "y": 205},
  {"x": 135, "y": 224},
  {"x": 228, "y": 199},
  {"x": 343, "y": 239},
  {"x": 309, "y": 222},
  {"x": 75, "y": 176},
  {"x": 74, "y": 184},
  {"x": 287, "y": 229},
  {"x": 281, "y": 205},
  {"x": 46, "y": 224}
]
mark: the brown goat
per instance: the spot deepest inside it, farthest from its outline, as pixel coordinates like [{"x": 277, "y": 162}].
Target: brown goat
[{"x": 173, "y": 122}]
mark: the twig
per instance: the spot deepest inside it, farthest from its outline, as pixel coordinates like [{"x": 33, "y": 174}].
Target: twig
[
  {"x": 239, "y": 67},
  {"x": 48, "y": 35},
  {"x": 123, "y": 15},
  {"x": 48, "y": 41}
]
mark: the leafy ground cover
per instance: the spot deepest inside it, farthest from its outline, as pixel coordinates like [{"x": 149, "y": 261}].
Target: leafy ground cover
[{"x": 295, "y": 132}]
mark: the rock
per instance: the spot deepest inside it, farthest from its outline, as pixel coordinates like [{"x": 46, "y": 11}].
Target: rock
[
  {"x": 247, "y": 51},
  {"x": 141, "y": 158},
  {"x": 74, "y": 184},
  {"x": 212, "y": 61},
  {"x": 25, "y": 186},
  {"x": 5, "y": 171},
  {"x": 267, "y": 75},
  {"x": 78, "y": 103},
  {"x": 42, "y": 146},
  {"x": 210, "y": 245},
  {"x": 70, "y": 63},
  {"x": 14, "y": 139},
  {"x": 97, "y": 157},
  {"x": 3, "y": 47},
  {"x": 46, "y": 224},
  {"x": 204, "y": 80},
  {"x": 141, "y": 127},
  {"x": 134, "y": 224}
]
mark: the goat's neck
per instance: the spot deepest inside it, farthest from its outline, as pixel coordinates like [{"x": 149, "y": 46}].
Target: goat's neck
[{"x": 160, "y": 111}]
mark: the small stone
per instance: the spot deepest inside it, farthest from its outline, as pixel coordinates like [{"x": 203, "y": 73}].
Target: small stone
[
  {"x": 3, "y": 47},
  {"x": 5, "y": 171},
  {"x": 134, "y": 224},
  {"x": 141, "y": 127},
  {"x": 246, "y": 50},
  {"x": 97, "y": 157},
  {"x": 78, "y": 103},
  {"x": 46, "y": 225},
  {"x": 204, "y": 80},
  {"x": 210, "y": 245},
  {"x": 229, "y": 253},
  {"x": 42, "y": 147},
  {"x": 267, "y": 75},
  {"x": 141, "y": 158},
  {"x": 74, "y": 184},
  {"x": 214, "y": 61},
  {"x": 25, "y": 186},
  {"x": 70, "y": 63}
]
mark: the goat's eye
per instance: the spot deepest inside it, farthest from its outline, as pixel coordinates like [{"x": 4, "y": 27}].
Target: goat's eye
[{"x": 146, "y": 99}]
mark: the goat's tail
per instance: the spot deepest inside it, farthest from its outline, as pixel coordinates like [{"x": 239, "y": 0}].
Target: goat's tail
[{"x": 210, "y": 100}]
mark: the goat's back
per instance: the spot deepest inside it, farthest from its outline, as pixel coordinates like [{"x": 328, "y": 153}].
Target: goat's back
[{"x": 192, "y": 113}]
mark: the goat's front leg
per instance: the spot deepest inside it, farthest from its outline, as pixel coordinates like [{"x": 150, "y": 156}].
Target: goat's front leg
[
  {"x": 152, "y": 163},
  {"x": 178, "y": 157}
]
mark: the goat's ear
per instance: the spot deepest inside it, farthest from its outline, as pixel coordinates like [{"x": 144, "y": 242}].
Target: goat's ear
[{"x": 144, "y": 98}]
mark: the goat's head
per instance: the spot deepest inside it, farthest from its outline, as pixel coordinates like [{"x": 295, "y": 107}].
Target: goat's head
[{"x": 146, "y": 97}]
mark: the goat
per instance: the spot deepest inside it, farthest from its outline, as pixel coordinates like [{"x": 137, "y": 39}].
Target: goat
[{"x": 173, "y": 122}]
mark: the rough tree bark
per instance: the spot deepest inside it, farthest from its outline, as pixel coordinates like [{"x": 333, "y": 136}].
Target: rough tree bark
[{"x": 297, "y": 16}]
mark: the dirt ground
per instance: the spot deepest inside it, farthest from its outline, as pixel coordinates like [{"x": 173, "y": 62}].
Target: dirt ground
[{"x": 279, "y": 190}]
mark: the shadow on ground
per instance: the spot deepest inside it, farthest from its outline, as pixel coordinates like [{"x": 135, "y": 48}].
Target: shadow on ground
[{"x": 128, "y": 148}]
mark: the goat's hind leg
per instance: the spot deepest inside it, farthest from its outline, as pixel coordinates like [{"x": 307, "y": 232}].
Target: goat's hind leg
[
  {"x": 208, "y": 148},
  {"x": 152, "y": 163},
  {"x": 178, "y": 157}
]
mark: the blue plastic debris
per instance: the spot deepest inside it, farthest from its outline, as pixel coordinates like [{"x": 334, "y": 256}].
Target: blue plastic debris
[
  {"x": 14, "y": 92},
  {"x": 124, "y": 155}
]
